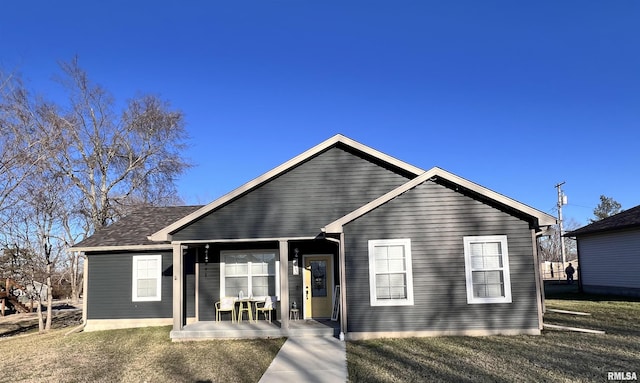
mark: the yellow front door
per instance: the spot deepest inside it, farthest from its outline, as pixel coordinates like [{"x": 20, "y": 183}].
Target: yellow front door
[{"x": 318, "y": 286}]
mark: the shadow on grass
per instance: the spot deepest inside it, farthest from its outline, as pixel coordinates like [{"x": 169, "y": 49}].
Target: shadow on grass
[
  {"x": 18, "y": 329},
  {"x": 554, "y": 356},
  {"x": 554, "y": 289},
  {"x": 60, "y": 320}
]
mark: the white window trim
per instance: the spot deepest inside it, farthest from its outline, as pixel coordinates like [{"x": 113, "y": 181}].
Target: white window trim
[
  {"x": 223, "y": 255},
  {"x": 505, "y": 268},
  {"x": 406, "y": 242},
  {"x": 134, "y": 284}
]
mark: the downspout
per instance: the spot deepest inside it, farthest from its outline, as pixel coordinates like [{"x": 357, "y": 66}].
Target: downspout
[
  {"x": 539, "y": 281},
  {"x": 343, "y": 284}
]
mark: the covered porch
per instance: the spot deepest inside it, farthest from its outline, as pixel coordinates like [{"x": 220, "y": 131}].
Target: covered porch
[{"x": 299, "y": 273}]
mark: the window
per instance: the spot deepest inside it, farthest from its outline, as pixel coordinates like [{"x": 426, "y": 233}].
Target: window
[
  {"x": 487, "y": 269},
  {"x": 255, "y": 273},
  {"x": 147, "y": 281},
  {"x": 390, "y": 277}
]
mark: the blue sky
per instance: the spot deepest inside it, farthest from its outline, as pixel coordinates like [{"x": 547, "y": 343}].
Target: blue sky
[{"x": 516, "y": 96}]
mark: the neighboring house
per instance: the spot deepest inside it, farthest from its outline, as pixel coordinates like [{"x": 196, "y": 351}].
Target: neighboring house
[
  {"x": 415, "y": 252},
  {"x": 609, "y": 254}
]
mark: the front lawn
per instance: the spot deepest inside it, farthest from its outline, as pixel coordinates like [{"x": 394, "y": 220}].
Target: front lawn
[
  {"x": 148, "y": 355},
  {"x": 555, "y": 356},
  {"x": 132, "y": 355}
]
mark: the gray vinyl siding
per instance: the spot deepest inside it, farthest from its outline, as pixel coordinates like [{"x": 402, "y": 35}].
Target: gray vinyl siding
[
  {"x": 610, "y": 260},
  {"x": 209, "y": 291},
  {"x": 299, "y": 202},
  {"x": 110, "y": 283},
  {"x": 189, "y": 285},
  {"x": 436, "y": 219},
  {"x": 296, "y": 284}
]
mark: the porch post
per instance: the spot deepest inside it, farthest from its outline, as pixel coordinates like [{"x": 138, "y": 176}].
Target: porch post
[
  {"x": 343, "y": 289},
  {"x": 178, "y": 315},
  {"x": 284, "y": 283}
]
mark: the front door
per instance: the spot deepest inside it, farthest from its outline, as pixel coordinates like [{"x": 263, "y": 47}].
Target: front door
[{"x": 318, "y": 286}]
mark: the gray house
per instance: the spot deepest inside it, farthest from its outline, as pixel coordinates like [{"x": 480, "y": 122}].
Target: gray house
[
  {"x": 341, "y": 231},
  {"x": 609, "y": 254}
]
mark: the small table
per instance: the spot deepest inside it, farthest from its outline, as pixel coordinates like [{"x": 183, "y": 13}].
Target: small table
[
  {"x": 294, "y": 314},
  {"x": 245, "y": 306}
]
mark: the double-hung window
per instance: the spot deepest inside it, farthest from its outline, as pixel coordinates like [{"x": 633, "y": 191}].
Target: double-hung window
[
  {"x": 390, "y": 277},
  {"x": 249, "y": 273},
  {"x": 487, "y": 269},
  {"x": 147, "y": 278}
]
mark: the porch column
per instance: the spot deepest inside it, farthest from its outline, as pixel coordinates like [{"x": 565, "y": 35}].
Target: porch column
[
  {"x": 178, "y": 315},
  {"x": 343, "y": 289},
  {"x": 284, "y": 283}
]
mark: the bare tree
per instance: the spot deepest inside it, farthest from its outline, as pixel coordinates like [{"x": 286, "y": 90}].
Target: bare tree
[
  {"x": 44, "y": 213},
  {"x": 550, "y": 244},
  {"x": 75, "y": 167},
  {"x": 117, "y": 160},
  {"x": 19, "y": 154}
]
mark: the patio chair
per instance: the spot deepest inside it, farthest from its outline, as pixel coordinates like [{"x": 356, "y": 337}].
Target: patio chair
[
  {"x": 267, "y": 307},
  {"x": 226, "y": 304}
]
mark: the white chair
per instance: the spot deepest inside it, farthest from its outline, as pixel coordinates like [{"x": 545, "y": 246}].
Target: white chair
[
  {"x": 267, "y": 307},
  {"x": 226, "y": 304}
]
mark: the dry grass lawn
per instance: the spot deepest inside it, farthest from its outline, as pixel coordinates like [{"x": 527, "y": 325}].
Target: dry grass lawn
[
  {"x": 555, "y": 356},
  {"x": 148, "y": 355},
  {"x": 133, "y": 355}
]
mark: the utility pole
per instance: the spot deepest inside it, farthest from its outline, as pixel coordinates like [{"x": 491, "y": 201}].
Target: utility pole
[{"x": 562, "y": 200}]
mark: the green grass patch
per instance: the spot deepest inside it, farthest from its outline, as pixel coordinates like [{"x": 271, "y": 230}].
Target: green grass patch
[
  {"x": 133, "y": 355},
  {"x": 554, "y": 356}
]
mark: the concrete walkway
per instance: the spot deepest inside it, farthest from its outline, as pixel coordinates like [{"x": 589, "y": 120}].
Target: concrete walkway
[{"x": 309, "y": 359}]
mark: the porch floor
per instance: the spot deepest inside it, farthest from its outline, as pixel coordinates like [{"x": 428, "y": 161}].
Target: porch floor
[{"x": 260, "y": 329}]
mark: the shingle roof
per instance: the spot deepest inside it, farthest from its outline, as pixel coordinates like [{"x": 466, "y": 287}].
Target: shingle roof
[
  {"x": 624, "y": 220},
  {"x": 133, "y": 229}
]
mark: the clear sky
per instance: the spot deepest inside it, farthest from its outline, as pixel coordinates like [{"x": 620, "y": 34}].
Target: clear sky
[{"x": 514, "y": 95}]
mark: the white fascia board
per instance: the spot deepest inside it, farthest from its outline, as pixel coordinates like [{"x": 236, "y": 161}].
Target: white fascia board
[
  {"x": 242, "y": 240},
  {"x": 87, "y": 249},
  {"x": 165, "y": 234},
  {"x": 544, "y": 219}
]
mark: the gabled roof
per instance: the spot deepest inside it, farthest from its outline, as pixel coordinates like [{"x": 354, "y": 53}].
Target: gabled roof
[
  {"x": 543, "y": 219},
  {"x": 624, "y": 220},
  {"x": 164, "y": 234},
  {"x": 131, "y": 231}
]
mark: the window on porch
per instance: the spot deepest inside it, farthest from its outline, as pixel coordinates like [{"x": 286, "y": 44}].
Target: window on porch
[{"x": 254, "y": 273}]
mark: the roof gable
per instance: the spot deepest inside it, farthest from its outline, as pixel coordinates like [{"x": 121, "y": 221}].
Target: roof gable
[
  {"x": 299, "y": 202},
  {"x": 623, "y": 220},
  {"x": 338, "y": 140},
  {"x": 542, "y": 218}
]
